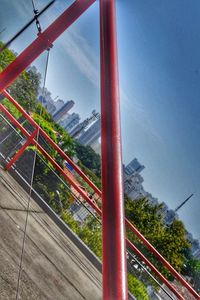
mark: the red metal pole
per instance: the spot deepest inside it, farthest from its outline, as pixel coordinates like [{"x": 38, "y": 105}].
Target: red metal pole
[
  {"x": 162, "y": 260},
  {"x": 51, "y": 142},
  {"x": 114, "y": 254},
  {"x": 128, "y": 224},
  {"x": 20, "y": 151},
  {"x": 43, "y": 41},
  {"x": 156, "y": 272},
  {"x": 51, "y": 160},
  {"x": 98, "y": 211}
]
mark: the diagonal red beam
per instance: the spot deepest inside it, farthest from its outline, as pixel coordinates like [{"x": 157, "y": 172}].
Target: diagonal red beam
[
  {"x": 88, "y": 200},
  {"x": 153, "y": 269},
  {"x": 43, "y": 41},
  {"x": 21, "y": 150},
  {"x": 51, "y": 160},
  {"x": 128, "y": 224},
  {"x": 113, "y": 227},
  {"x": 51, "y": 142},
  {"x": 162, "y": 259},
  {"x": 91, "y": 184}
]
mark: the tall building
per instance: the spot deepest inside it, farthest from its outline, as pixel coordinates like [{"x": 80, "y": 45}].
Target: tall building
[
  {"x": 96, "y": 146},
  {"x": 59, "y": 114},
  {"x": 71, "y": 121},
  {"x": 133, "y": 167},
  {"x": 44, "y": 97},
  {"x": 133, "y": 185},
  {"x": 195, "y": 247},
  {"x": 58, "y": 104},
  {"x": 91, "y": 134}
]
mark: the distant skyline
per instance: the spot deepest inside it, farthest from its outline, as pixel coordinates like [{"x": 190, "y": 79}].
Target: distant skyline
[{"x": 159, "y": 71}]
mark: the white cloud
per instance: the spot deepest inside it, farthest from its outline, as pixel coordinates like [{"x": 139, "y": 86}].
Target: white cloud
[
  {"x": 87, "y": 61},
  {"x": 82, "y": 54}
]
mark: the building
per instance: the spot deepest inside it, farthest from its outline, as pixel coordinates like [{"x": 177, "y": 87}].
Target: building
[
  {"x": 60, "y": 113},
  {"x": 133, "y": 185},
  {"x": 70, "y": 122},
  {"x": 133, "y": 167},
  {"x": 44, "y": 97},
  {"x": 58, "y": 104},
  {"x": 195, "y": 247},
  {"x": 96, "y": 146},
  {"x": 92, "y": 134}
]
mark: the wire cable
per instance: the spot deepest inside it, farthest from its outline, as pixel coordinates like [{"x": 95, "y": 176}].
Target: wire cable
[{"x": 31, "y": 188}]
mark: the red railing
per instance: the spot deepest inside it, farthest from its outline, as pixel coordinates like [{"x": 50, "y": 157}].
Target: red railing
[
  {"x": 114, "y": 257},
  {"x": 30, "y": 139}
]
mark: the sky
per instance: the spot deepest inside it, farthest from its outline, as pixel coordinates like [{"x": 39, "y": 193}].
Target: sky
[{"x": 159, "y": 72}]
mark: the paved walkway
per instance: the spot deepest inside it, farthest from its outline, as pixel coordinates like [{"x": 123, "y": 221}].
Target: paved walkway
[{"x": 53, "y": 267}]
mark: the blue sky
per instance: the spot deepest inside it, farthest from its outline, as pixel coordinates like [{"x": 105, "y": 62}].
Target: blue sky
[{"x": 159, "y": 69}]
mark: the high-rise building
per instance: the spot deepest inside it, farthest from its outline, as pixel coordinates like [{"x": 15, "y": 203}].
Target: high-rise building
[
  {"x": 133, "y": 180},
  {"x": 59, "y": 114},
  {"x": 58, "y": 104},
  {"x": 44, "y": 97},
  {"x": 133, "y": 167},
  {"x": 71, "y": 121},
  {"x": 96, "y": 146},
  {"x": 91, "y": 134},
  {"x": 133, "y": 185}
]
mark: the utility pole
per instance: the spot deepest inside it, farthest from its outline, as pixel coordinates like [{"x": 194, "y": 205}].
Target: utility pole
[{"x": 184, "y": 202}]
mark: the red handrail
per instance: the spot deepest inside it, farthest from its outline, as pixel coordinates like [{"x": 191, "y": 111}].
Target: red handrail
[{"x": 98, "y": 211}]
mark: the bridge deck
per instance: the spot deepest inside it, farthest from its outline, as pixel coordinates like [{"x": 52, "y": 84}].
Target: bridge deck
[{"x": 53, "y": 267}]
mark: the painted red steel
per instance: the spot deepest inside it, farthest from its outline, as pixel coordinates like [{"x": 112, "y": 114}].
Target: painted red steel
[
  {"x": 113, "y": 231},
  {"x": 98, "y": 211},
  {"x": 108, "y": 90},
  {"x": 162, "y": 259},
  {"x": 156, "y": 272},
  {"x": 128, "y": 224},
  {"x": 43, "y": 41},
  {"x": 51, "y": 142},
  {"x": 23, "y": 130},
  {"x": 50, "y": 159},
  {"x": 20, "y": 151}
]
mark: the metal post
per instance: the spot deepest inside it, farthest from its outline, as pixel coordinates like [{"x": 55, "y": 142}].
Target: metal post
[
  {"x": 114, "y": 254},
  {"x": 164, "y": 262},
  {"x": 43, "y": 41},
  {"x": 68, "y": 178},
  {"x": 51, "y": 142},
  {"x": 98, "y": 211},
  {"x": 20, "y": 151},
  {"x": 128, "y": 224}
]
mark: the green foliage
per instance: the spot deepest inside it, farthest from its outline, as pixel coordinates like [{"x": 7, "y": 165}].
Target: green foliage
[
  {"x": 192, "y": 268},
  {"x": 6, "y": 57},
  {"x": 91, "y": 235},
  {"x": 68, "y": 219},
  {"x": 137, "y": 288},
  {"x": 169, "y": 240},
  {"x": 89, "y": 158},
  {"x": 24, "y": 90},
  {"x": 65, "y": 142},
  {"x": 11, "y": 108},
  {"x": 40, "y": 110},
  {"x": 45, "y": 125},
  {"x": 93, "y": 177}
]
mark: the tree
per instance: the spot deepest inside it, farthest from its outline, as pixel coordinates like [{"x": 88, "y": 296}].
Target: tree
[
  {"x": 169, "y": 240},
  {"x": 192, "y": 268},
  {"x": 137, "y": 288},
  {"x": 89, "y": 158}
]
